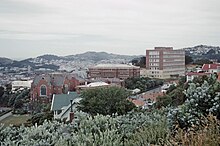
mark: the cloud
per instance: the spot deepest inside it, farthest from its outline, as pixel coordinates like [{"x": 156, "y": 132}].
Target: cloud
[{"x": 105, "y": 24}]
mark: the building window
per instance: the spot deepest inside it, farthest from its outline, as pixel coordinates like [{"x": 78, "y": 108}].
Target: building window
[{"x": 43, "y": 90}]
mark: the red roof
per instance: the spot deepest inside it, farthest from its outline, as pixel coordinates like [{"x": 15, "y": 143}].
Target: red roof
[
  {"x": 197, "y": 74},
  {"x": 137, "y": 102},
  {"x": 206, "y": 67},
  {"x": 153, "y": 96}
]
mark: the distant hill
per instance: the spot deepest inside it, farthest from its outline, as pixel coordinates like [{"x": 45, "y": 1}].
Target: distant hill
[
  {"x": 203, "y": 51},
  {"x": 5, "y": 61},
  {"x": 50, "y": 57},
  {"x": 54, "y": 62},
  {"x": 23, "y": 63},
  {"x": 98, "y": 56}
]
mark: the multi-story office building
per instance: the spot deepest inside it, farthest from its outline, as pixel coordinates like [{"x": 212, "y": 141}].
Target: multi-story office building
[
  {"x": 164, "y": 62},
  {"x": 121, "y": 71}
]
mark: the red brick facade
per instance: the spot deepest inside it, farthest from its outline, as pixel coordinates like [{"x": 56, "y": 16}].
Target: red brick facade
[
  {"x": 120, "y": 71},
  {"x": 54, "y": 84}
]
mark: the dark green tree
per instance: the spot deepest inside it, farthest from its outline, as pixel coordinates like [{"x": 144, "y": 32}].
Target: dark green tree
[
  {"x": 105, "y": 101},
  {"x": 188, "y": 59},
  {"x": 1, "y": 91},
  {"x": 142, "y": 83},
  {"x": 202, "y": 61}
]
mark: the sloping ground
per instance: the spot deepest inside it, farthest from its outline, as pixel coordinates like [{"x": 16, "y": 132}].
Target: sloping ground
[{"x": 15, "y": 120}]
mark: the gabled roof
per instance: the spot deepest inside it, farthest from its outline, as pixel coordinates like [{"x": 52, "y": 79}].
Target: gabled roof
[
  {"x": 209, "y": 66},
  {"x": 61, "y": 100},
  {"x": 56, "y": 79},
  {"x": 40, "y": 77},
  {"x": 197, "y": 73},
  {"x": 137, "y": 102}
]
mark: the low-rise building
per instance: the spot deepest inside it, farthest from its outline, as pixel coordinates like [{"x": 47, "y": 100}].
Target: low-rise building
[
  {"x": 121, "y": 71},
  {"x": 191, "y": 75},
  {"x": 21, "y": 84},
  {"x": 211, "y": 68}
]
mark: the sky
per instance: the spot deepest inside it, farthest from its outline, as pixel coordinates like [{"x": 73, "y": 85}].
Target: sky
[{"x": 29, "y": 28}]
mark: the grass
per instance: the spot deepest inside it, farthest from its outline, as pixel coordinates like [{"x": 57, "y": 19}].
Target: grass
[{"x": 15, "y": 120}]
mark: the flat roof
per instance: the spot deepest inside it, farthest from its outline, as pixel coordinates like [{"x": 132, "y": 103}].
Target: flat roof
[{"x": 115, "y": 66}]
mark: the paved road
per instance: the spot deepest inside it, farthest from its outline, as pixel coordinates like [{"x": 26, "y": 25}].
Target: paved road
[
  {"x": 5, "y": 116},
  {"x": 154, "y": 90}
]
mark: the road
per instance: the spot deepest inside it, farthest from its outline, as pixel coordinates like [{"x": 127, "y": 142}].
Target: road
[
  {"x": 154, "y": 90},
  {"x": 5, "y": 116}
]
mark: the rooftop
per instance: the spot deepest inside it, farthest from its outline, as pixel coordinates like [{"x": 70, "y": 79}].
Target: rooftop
[
  {"x": 197, "y": 74},
  {"x": 61, "y": 100},
  {"x": 115, "y": 66},
  {"x": 95, "y": 84},
  {"x": 163, "y": 48},
  {"x": 210, "y": 66}
]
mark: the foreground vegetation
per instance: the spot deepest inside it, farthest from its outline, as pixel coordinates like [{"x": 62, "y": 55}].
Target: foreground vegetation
[
  {"x": 106, "y": 101},
  {"x": 189, "y": 117},
  {"x": 134, "y": 129}
]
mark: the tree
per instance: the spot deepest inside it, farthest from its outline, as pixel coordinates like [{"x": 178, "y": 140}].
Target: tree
[
  {"x": 1, "y": 91},
  {"x": 142, "y": 83},
  {"x": 188, "y": 59},
  {"x": 105, "y": 101},
  {"x": 203, "y": 61},
  {"x": 201, "y": 100},
  {"x": 139, "y": 61}
]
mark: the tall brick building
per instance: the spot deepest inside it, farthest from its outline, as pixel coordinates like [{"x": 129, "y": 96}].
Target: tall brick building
[
  {"x": 164, "y": 62},
  {"x": 120, "y": 71},
  {"x": 44, "y": 86}
]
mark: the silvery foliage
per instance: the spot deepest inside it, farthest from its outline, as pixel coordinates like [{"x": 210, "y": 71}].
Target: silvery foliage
[
  {"x": 200, "y": 101},
  {"x": 86, "y": 131}
]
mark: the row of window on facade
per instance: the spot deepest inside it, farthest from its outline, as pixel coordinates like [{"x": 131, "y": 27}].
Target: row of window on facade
[
  {"x": 176, "y": 52},
  {"x": 155, "y": 76},
  {"x": 43, "y": 89},
  {"x": 154, "y": 56},
  {"x": 154, "y": 68}
]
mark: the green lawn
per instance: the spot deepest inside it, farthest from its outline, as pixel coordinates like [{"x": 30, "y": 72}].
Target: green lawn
[{"x": 15, "y": 120}]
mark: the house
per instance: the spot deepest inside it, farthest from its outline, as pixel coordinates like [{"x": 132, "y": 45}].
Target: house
[
  {"x": 44, "y": 86},
  {"x": 152, "y": 96},
  {"x": 191, "y": 75},
  {"x": 64, "y": 106},
  {"x": 211, "y": 68},
  {"x": 137, "y": 102}
]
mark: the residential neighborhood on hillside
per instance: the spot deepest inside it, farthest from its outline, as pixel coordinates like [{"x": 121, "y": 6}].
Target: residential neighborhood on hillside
[{"x": 55, "y": 95}]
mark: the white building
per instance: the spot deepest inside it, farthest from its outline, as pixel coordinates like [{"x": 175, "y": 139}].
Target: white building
[
  {"x": 61, "y": 105},
  {"x": 21, "y": 84}
]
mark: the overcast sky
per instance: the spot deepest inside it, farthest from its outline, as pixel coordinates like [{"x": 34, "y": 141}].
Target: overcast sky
[{"x": 29, "y": 28}]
